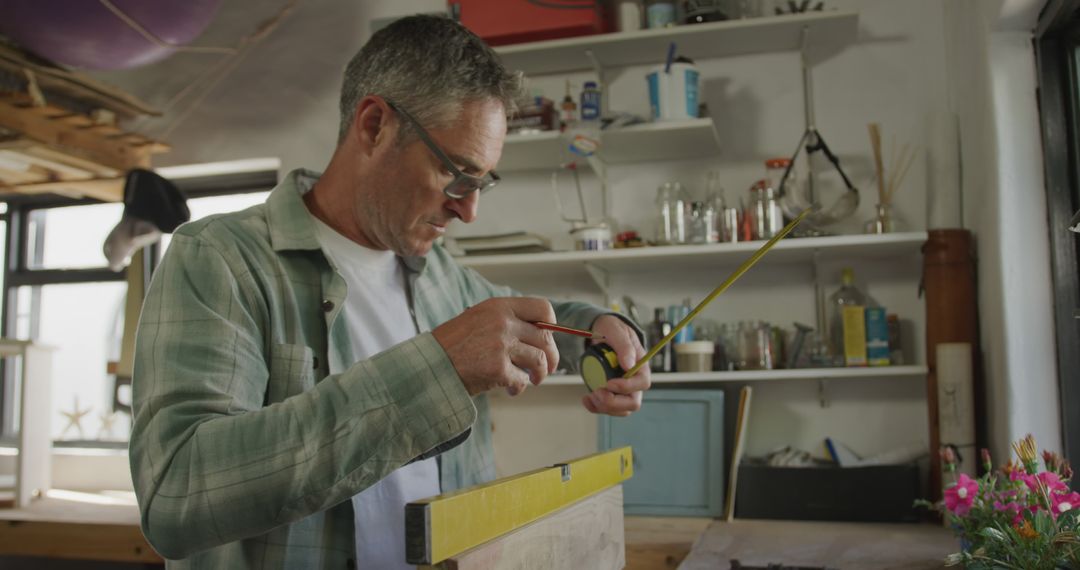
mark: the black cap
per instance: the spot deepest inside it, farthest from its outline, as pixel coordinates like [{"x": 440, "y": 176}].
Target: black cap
[{"x": 150, "y": 197}]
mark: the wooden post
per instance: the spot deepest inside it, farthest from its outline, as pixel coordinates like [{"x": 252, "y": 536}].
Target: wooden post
[{"x": 951, "y": 316}]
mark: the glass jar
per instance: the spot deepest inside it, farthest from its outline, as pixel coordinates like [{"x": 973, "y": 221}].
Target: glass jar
[
  {"x": 659, "y": 14},
  {"x": 767, "y": 219},
  {"x": 885, "y": 221},
  {"x": 673, "y": 211}
]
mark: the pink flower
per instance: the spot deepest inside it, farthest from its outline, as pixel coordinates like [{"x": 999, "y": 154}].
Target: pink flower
[
  {"x": 1048, "y": 479},
  {"x": 1062, "y": 502},
  {"x": 960, "y": 496},
  {"x": 1012, "y": 507}
]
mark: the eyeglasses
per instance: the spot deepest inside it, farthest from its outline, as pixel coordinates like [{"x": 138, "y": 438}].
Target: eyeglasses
[{"x": 463, "y": 184}]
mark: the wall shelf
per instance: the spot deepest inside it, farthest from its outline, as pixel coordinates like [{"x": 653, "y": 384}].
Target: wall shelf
[
  {"x": 670, "y": 140},
  {"x": 742, "y": 376},
  {"x": 572, "y": 266},
  {"x": 700, "y": 41}
]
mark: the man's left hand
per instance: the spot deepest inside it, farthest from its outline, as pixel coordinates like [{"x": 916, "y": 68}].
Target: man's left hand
[{"x": 621, "y": 396}]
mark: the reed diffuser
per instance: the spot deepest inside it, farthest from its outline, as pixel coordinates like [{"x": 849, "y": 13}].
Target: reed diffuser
[{"x": 885, "y": 219}]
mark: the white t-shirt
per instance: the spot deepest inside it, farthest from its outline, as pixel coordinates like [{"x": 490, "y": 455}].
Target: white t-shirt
[{"x": 376, "y": 314}]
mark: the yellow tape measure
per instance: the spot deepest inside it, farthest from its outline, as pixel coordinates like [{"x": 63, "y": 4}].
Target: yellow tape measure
[{"x": 600, "y": 364}]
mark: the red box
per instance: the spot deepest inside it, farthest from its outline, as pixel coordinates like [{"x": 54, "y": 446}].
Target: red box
[{"x": 502, "y": 22}]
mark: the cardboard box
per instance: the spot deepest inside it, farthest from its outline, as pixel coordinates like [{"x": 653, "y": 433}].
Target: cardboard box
[{"x": 881, "y": 493}]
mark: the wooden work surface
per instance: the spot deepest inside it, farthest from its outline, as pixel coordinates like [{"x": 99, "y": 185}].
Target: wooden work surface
[
  {"x": 654, "y": 543},
  {"x": 78, "y": 526},
  {"x": 839, "y": 546},
  {"x": 84, "y": 526}
]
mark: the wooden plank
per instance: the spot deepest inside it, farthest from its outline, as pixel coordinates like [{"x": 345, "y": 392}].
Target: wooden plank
[
  {"x": 55, "y": 170},
  {"x": 99, "y": 171},
  {"x": 76, "y": 85},
  {"x": 107, "y": 542},
  {"x": 76, "y": 120},
  {"x": 800, "y": 544},
  {"x": 587, "y": 534},
  {"x": 106, "y": 190},
  {"x": 447, "y": 525},
  {"x": 87, "y": 144},
  {"x": 661, "y": 542},
  {"x": 12, "y": 177}
]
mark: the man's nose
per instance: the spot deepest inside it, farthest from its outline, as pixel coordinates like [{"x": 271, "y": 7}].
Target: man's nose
[{"x": 465, "y": 208}]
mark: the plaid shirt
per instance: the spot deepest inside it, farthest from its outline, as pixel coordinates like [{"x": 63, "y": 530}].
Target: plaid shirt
[{"x": 245, "y": 451}]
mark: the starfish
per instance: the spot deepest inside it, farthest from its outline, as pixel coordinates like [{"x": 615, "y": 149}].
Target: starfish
[
  {"x": 107, "y": 421},
  {"x": 75, "y": 418}
]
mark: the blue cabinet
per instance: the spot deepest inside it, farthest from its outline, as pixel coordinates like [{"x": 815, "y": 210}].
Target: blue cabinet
[{"x": 678, "y": 441}]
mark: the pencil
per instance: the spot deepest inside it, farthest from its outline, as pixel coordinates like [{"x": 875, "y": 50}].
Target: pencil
[{"x": 559, "y": 328}]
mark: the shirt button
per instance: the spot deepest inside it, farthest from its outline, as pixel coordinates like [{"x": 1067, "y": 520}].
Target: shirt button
[
  {"x": 350, "y": 564},
  {"x": 327, "y": 305}
]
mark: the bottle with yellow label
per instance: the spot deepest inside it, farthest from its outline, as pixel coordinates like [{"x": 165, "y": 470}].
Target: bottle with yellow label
[{"x": 847, "y": 322}]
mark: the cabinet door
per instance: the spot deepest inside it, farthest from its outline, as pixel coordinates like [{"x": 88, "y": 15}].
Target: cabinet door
[{"x": 678, "y": 441}]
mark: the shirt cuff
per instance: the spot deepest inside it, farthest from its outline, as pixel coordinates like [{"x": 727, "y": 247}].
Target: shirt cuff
[{"x": 427, "y": 391}]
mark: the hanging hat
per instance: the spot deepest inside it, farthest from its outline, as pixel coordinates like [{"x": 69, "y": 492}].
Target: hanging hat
[{"x": 152, "y": 206}]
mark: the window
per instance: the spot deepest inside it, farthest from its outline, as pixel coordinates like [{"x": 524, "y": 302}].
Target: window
[
  {"x": 1057, "y": 42},
  {"x": 59, "y": 292}
]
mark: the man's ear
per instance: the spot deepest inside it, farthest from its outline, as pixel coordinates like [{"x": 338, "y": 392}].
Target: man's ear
[{"x": 373, "y": 124}]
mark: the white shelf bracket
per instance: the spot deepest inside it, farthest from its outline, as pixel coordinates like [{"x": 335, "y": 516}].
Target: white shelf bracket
[
  {"x": 601, "y": 80},
  {"x": 808, "y": 105},
  {"x": 820, "y": 310},
  {"x": 601, "y": 278},
  {"x": 822, "y": 392},
  {"x": 595, "y": 163}
]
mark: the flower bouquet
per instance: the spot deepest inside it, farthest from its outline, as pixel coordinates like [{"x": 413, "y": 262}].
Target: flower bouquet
[{"x": 1016, "y": 517}]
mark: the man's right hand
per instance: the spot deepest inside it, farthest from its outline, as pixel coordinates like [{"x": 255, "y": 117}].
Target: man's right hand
[{"x": 495, "y": 344}]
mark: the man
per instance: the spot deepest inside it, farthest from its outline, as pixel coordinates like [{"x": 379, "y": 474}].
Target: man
[{"x": 307, "y": 366}]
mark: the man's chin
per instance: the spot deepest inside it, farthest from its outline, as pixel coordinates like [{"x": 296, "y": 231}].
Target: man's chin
[{"x": 416, "y": 249}]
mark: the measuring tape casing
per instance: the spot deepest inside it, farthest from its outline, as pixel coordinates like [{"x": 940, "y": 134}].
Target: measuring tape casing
[{"x": 598, "y": 365}]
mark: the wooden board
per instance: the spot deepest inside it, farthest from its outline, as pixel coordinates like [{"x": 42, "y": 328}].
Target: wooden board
[
  {"x": 71, "y": 524},
  {"x": 587, "y": 534},
  {"x": 119, "y": 543},
  {"x": 866, "y": 546},
  {"x": 56, "y": 151},
  {"x": 86, "y": 142},
  {"x": 441, "y": 527},
  {"x": 75, "y": 85},
  {"x": 657, "y": 543}
]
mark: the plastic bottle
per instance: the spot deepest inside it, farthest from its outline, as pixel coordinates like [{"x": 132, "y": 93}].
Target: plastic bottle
[
  {"x": 590, "y": 102},
  {"x": 664, "y": 361},
  {"x": 847, "y": 322},
  {"x": 585, "y": 135}
]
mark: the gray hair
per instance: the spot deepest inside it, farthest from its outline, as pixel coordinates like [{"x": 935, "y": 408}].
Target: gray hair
[{"x": 430, "y": 66}]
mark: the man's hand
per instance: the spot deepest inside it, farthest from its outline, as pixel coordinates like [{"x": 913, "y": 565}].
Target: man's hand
[
  {"x": 621, "y": 396},
  {"x": 495, "y": 344}
]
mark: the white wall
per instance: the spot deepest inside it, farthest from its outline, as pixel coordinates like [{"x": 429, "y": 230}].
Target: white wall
[{"x": 992, "y": 90}]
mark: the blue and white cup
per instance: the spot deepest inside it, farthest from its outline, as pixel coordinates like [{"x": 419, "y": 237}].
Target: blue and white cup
[{"x": 673, "y": 94}]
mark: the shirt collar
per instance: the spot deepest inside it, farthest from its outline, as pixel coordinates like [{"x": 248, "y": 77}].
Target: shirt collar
[{"x": 292, "y": 227}]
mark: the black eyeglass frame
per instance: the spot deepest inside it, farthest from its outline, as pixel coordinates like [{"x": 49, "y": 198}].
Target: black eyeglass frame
[{"x": 472, "y": 183}]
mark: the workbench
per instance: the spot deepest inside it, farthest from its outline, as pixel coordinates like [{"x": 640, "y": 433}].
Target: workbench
[
  {"x": 73, "y": 525},
  {"x": 92, "y": 526}
]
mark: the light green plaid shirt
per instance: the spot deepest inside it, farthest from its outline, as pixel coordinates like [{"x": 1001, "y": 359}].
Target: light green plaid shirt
[{"x": 245, "y": 451}]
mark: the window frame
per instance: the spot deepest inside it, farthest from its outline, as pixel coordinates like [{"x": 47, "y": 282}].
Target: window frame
[
  {"x": 1057, "y": 49},
  {"x": 18, "y": 272}
]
